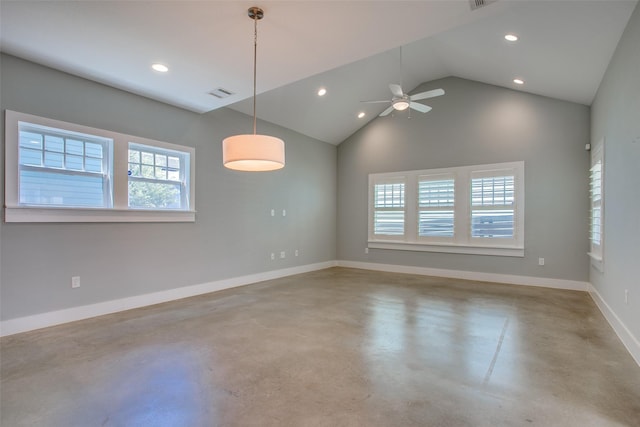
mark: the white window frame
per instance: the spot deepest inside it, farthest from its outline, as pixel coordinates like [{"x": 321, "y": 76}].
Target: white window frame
[
  {"x": 461, "y": 242},
  {"x": 596, "y": 250},
  {"x": 387, "y": 179},
  {"x": 119, "y": 211}
]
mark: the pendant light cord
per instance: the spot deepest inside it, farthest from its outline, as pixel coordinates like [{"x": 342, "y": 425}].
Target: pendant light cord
[{"x": 255, "y": 61}]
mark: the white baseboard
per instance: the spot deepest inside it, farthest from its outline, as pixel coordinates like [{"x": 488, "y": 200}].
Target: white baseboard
[
  {"x": 630, "y": 342},
  {"x": 573, "y": 285},
  {"x": 37, "y": 321}
]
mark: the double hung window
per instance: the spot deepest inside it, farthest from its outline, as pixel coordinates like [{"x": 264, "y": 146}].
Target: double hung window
[
  {"x": 62, "y": 172},
  {"x": 470, "y": 209}
]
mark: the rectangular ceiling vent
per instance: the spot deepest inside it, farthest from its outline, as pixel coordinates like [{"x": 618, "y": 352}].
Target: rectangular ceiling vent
[
  {"x": 477, "y": 4},
  {"x": 221, "y": 93}
]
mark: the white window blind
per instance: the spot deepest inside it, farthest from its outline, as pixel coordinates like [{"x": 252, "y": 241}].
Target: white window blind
[
  {"x": 493, "y": 205},
  {"x": 436, "y": 206},
  {"x": 596, "y": 195},
  {"x": 468, "y": 209},
  {"x": 389, "y": 208}
]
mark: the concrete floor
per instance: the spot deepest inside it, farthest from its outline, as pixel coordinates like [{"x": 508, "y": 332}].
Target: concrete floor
[{"x": 338, "y": 347}]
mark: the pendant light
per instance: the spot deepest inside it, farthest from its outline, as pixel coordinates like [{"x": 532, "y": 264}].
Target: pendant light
[{"x": 253, "y": 152}]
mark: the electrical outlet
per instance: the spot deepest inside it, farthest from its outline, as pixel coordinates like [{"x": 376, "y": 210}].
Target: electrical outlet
[
  {"x": 366, "y": 250},
  {"x": 296, "y": 252},
  {"x": 273, "y": 256},
  {"x": 284, "y": 212},
  {"x": 273, "y": 212},
  {"x": 540, "y": 261},
  {"x": 75, "y": 282},
  {"x": 283, "y": 254}
]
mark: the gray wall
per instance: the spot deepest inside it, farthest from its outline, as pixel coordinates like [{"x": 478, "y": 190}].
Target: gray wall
[
  {"x": 615, "y": 115},
  {"x": 472, "y": 124},
  {"x": 233, "y": 235}
]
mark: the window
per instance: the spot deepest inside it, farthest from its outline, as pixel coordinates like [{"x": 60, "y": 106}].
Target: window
[
  {"x": 62, "y": 172},
  {"x": 388, "y": 205},
  {"x": 492, "y": 205},
  {"x": 596, "y": 193},
  {"x": 471, "y": 209},
  {"x": 436, "y": 206},
  {"x": 63, "y": 168},
  {"x": 157, "y": 178}
]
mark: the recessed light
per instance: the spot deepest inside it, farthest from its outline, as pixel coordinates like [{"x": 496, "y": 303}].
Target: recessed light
[
  {"x": 518, "y": 81},
  {"x": 361, "y": 114},
  {"x": 511, "y": 37},
  {"x": 322, "y": 92},
  {"x": 161, "y": 68}
]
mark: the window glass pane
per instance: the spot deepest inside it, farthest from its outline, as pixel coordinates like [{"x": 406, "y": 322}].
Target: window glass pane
[
  {"x": 147, "y": 171},
  {"x": 147, "y": 158},
  {"x": 30, "y": 140},
  {"x": 174, "y": 162},
  {"x": 389, "y": 223},
  {"x": 389, "y": 195},
  {"x": 161, "y": 160},
  {"x": 53, "y": 160},
  {"x": 436, "y": 193},
  {"x": 73, "y": 162},
  {"x": 92, "y": 165},
  {"x": 134, "y": 169},
  {"x": 492, "y": 223},
  {"x": 154, "y": 195},
  {"x": 491, "y": 191},
  {"x": 93, "y": 150},
  {"x": 134, "y": 156},
  {"x": 74, "y": 147},
  {"x": 161, "y": 173},
  {"x": 436, "y": 224},
  {"x": 56, "y": 189},
  {"x": 53, "y": 143},
  {"x": 173, "y": 175},
  {"x": 30, "y": 157}
]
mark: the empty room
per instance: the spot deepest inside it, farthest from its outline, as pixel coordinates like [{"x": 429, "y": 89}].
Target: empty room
[{"x": 320, "y": 213}]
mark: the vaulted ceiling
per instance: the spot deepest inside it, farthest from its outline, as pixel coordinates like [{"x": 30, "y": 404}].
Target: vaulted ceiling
[{"x": 351, "y": 48}]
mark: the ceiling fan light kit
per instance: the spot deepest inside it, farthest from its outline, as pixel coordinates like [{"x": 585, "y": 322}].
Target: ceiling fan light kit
[
  {"x": 253, "y": 152},
  {"x": 402, "y": 101}
]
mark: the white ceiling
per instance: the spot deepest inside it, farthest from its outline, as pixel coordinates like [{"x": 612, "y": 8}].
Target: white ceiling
[{"x": 349, "y": 47}]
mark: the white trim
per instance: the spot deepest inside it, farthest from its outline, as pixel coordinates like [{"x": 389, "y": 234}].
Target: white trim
[
  {"x": 118, "y": 147},
  {"x": 631, "y": 342},
  {"x": 449, "y": 248},
  {"x": 38, "y": 214},
  {"x": 52, "y": 318},
  {"x": 573, "y": 285}
]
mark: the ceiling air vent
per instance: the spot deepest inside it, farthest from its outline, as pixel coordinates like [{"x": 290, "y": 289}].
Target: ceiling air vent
[
  {"x": 221, "y": 93},
  {"x": 477, "y": 4}
]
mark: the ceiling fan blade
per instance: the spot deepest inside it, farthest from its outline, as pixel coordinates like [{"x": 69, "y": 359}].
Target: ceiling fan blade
[
  {"x": 420, "y": 107},
  {"x": 427, "y": 94},
  {"x": 374, "y": 102},
  {"x": 386, "y": 112},
  {"x": 396, "y": 90}
]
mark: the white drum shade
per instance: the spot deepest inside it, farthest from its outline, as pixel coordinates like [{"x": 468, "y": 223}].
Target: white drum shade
[{"x": 253, "y": 153}]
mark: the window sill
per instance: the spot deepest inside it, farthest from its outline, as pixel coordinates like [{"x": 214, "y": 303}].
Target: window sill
[
  {"x": 508, "y": 251},
  {"x": 596, "y": 261},
  {"x": 30, "y": 214}
]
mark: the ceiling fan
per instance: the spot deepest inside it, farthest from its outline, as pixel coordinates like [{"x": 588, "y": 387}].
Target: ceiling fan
[{"x": 401, "y": 101}]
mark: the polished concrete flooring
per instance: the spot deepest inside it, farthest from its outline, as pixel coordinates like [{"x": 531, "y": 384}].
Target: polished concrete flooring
[{"x": 337, "y": 347}]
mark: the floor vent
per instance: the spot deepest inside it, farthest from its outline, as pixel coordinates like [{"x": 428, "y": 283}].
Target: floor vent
[
  {"x": 221, "y": 93},
  {"x": 477, "y": 4}
]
